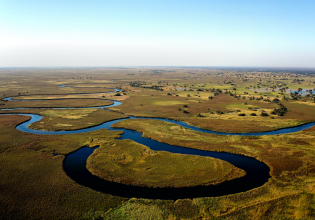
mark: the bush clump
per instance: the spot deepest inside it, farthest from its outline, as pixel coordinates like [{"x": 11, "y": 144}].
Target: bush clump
[
  {"x": 280, "y": 111},
  {"x": 220, "y": 112},
  {"x": 264, "y": 114}
]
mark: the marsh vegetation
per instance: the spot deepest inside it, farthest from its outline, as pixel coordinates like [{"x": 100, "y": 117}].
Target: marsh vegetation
[
  {"x": 34, "y": 185},
  {"x": 133, "y": 164}
]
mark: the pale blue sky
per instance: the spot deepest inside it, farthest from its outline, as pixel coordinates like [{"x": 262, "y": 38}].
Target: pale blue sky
[{"x": 157, "y": 33}]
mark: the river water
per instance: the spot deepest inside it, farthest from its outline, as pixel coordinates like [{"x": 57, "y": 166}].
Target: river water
[{"x": 257, "y": 173}]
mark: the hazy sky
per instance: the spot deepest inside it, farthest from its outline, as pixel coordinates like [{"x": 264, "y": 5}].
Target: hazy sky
[{"x": 277, "y": 33}]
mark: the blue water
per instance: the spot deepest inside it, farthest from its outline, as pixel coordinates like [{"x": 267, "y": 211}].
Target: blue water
[
  {"x": 24, "y": 126},
  {"x": 115, "y": 103},
  {"x": 257, "y": 173}
]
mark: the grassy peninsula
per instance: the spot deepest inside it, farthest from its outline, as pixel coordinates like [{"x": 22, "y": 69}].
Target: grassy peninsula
[{"x": 127, "y": 162}]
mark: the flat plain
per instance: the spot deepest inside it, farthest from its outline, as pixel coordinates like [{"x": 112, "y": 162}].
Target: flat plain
[{"x": 33, "y": 184}]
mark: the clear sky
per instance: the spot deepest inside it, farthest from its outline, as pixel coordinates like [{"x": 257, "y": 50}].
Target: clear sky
[{"x": 268, "y": 33}]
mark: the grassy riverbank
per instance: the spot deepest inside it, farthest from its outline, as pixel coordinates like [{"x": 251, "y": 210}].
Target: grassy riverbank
[
  {"x": 33, "y": 184},
  {"x": 291, "y": 159},
  {"x": 62, "y": 103},
  {"x": 285, "y": 156},
  {"x": 131, "y": 163},
  {"x": 72, "y": 119}
]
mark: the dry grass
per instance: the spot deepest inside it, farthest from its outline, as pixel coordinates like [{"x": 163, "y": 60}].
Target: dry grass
[
  {"x": 34, "y": 186},
  {"x": 33, "y": 183},
  {"x": 64, "y": 103},
  {"x": 73, "y": 119}
]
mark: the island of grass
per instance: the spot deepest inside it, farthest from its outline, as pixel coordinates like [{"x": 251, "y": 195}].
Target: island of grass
[
  {"x": 71, "y": 119},
  {"x": 127, "y": 162}
]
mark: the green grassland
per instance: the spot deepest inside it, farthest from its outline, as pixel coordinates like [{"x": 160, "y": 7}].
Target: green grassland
[
  {"x": 72, "y": 119},
  {"x": 57, "y": 103},
  {"x": 131, "y": 163},
  {"x": 160, "y": 105},
  {"x": 102, "y": 95},
  {"x": 290, "y": 157},
  {"x": 33, "y": 184}
]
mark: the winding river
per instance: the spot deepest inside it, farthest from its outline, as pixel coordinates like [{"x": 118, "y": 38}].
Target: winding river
[{"x": 257, "y": 173}]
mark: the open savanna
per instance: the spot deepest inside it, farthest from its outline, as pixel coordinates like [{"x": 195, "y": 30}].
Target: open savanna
[
  {"x": 33, "y": 184},
  {"x": 103, "y": 95},
  {"x": 221, "y": 113},
  {"x": 33, "y": 81},
  {"x": 61, "y": 103},
  {"x": 127, "y": 162}
]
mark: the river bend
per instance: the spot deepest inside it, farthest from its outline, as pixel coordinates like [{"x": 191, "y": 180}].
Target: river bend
[{"x": 257, "y": 173}]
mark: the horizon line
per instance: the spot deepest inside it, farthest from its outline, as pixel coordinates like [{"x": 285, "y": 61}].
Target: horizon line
[{"x": 267, "y": 67}]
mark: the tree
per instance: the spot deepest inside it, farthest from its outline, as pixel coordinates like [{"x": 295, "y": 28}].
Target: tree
[
  {"x": 264, "y": 114},
  {"x": 280, "y": 111},
  {"x": 276, "y": 100}
]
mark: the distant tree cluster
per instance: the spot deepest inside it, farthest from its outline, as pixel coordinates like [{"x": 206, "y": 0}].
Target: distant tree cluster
[{"x": 280, "y": 111}]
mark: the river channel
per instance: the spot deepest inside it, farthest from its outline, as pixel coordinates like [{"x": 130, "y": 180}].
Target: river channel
[{"x": 257, "y": 173}]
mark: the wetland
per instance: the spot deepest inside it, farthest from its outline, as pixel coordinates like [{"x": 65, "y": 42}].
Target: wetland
[{"x": 50, "y": 133}]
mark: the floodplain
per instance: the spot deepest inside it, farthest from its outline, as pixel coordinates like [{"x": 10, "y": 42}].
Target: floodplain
[{"x": 34, "y": 185}]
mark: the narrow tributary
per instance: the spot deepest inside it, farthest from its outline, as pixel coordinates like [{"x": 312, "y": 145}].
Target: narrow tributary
[{"x": 257, "y": 173}]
